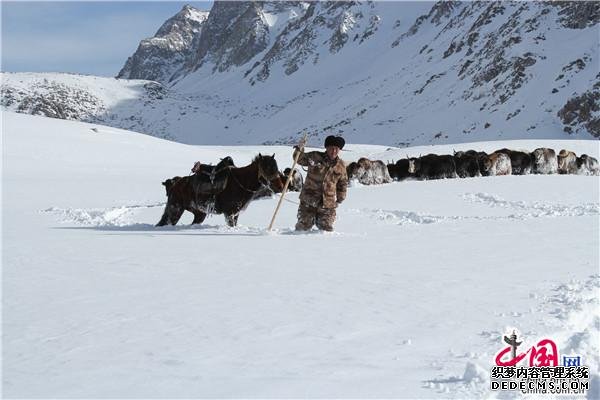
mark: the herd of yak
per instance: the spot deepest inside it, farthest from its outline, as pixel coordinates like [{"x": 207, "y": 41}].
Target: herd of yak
[
  {"x": 226, "y": 189},
  {"x": 471, "y": 163}
]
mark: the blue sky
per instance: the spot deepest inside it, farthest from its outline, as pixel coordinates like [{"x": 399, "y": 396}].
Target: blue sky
[{"x": 80, "y": 37}]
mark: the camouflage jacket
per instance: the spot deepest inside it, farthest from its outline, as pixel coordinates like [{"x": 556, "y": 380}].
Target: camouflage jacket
[{"x": 326, "y": 182}]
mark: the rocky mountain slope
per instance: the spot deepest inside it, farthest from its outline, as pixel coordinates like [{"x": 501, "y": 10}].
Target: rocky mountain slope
[
  {"x": 109, "y": 101},
  {"x": 159, "y": 58},
  {"x": 390, "y": 73}
]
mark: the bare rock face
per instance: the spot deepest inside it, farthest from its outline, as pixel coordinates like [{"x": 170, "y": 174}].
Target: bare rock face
[
  {"x": 210, "y": 44},
  {"x": 578, "y": 14},
  {"x": 238, "y": 32},
  {"x": 582, "y": 112},
  {"x": 247, "y": 37},
  {"x": 330, "y": 23},
  {"x": 440, "y": 11},
  {"x": 159, "y": 58}
]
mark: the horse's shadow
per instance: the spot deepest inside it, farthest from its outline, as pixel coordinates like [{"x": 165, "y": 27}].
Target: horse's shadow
[{"x": 198, "y": 230}]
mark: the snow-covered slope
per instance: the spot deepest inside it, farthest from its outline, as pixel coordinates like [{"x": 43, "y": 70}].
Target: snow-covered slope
[
  {"x": 128, "y": 104},
  {"x": 408, "y": 299},
  {"x": 394, "y": 73}
]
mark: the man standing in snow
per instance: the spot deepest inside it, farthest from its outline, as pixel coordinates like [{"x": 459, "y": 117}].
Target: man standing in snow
[{"x": 325, "y": 185}]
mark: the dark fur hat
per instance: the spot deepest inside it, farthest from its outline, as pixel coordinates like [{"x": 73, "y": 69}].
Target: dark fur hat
[{"x": 337, "y": 141}]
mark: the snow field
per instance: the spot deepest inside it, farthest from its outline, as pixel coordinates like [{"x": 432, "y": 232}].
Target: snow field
[{"x": 408, "y": 298}]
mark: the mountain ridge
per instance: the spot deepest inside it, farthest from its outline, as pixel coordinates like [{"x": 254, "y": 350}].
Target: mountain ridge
[{"x": 265, "y": 72}]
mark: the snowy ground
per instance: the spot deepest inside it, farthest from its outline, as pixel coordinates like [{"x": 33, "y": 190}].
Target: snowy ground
[{"x": 408, "y": 299}]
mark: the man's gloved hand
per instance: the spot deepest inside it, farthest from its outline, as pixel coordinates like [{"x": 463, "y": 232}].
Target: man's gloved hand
[{"x": 301, "y": 144}]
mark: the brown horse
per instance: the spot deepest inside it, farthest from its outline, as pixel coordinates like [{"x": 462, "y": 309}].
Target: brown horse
[{"x": 242, "y": 185}]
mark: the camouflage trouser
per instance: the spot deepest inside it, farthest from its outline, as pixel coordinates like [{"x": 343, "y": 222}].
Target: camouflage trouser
[{"x": 309, "y": 216}]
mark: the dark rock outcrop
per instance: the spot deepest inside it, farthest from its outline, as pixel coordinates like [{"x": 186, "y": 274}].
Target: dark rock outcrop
[{"x": 582, "y": 111}]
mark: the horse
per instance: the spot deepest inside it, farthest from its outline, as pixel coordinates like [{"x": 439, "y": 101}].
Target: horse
[{"x": 240, "y": 187}]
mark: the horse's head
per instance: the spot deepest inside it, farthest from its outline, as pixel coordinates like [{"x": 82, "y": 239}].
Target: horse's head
[
  {"x": 278, "y": 183},
  {"x": 267, "y": 167}
]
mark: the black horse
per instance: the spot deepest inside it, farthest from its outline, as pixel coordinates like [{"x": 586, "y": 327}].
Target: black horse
[{"x": 230, "y": 197}]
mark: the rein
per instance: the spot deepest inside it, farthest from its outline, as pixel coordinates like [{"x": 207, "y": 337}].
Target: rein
[
  {"x": 260, "y": 176},
  {"x": 284, "y": 199}
]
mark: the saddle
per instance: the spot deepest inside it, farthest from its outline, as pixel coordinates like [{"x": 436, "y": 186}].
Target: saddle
[{"x": 209, "y": 179}]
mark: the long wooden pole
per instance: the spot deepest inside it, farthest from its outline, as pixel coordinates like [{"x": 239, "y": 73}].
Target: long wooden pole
[{"x": 287, "y": 183}]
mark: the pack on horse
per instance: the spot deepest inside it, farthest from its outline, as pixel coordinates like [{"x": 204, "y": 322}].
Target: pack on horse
[
  {"x": 206, "y": 176},
  {"x": 229, "y": 192}
]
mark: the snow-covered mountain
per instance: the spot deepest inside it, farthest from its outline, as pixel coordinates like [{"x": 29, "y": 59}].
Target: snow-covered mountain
[
  {"x": 394, "y": 73},
  {"x": 159, "y": 58}
]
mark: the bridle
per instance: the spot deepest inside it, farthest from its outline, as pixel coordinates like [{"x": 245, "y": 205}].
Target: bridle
[{"x": 263, "y": 180}]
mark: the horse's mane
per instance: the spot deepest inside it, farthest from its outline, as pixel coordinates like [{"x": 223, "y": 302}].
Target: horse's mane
[
  {"x": 255, "y": 159},
  {"x": 254, "y": 163}
]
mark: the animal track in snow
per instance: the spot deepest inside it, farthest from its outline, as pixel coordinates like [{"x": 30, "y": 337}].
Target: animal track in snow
[
  {"x": 524, "y": 211},
  {"x": 114, "y": 216},
  {"x": 535, "y": 209},
  {"x": 397, "y": 217}
]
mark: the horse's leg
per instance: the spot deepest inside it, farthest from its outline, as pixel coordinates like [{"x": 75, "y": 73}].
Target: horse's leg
[
  {"x": 171, "y": 215},
  {"x": 164, "y": 220},
  {"x": 166, "y": 217},
  {"x": 176, "y": 213},
  {"x": 231, "y": 219},
  {"x": 199, "y": 217}
]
